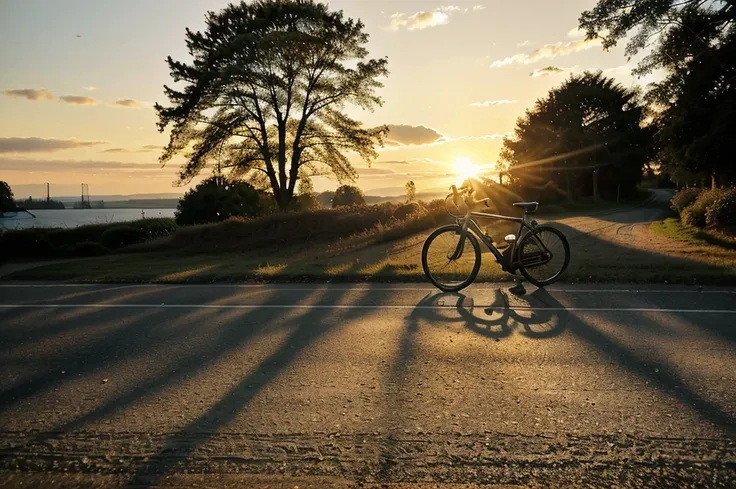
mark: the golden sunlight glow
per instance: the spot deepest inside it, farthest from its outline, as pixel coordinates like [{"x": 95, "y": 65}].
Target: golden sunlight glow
[{"x": 466, "y": 169}]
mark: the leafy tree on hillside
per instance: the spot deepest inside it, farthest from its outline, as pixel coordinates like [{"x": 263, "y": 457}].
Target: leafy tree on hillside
[
  {"x": 585, "y": 137},
  {"x": 6, "y": 198},
  {"x": 216, "y": 199},
  {"x": 694, "y": 42},
  {"x": 306, "y": 197},
  {"x": 411, "y": 191},
  {"x": 347, "y": 195},
  {"x": 266, "y": 91}
]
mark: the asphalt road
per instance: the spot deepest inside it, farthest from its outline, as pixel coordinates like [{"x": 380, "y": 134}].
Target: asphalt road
[{"x": 344, "y": 385}]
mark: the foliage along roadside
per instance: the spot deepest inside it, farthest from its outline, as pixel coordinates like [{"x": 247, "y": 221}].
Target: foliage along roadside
[
  {"x": 59, "y": 242},
  {"x": 713, "y": 209},
  {"x": 362, "y": 223}
]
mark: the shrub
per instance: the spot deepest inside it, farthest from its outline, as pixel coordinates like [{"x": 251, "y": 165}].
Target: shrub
[
  {"x": 215, "y": 200},
  {"x": 119, "y": 236},
  {"x": 694, "y": 215},
  {"x": 409, "y": 209},
  {"x": 88, "y": 248},
  {"x": 26, "y": 243},
  {"x": 348, "y": 195},
  {"x": 684, "y": 198},
  {"x": 283, "y": 228},
  {"x": 722, "y": 212},
  {"x": 155, "y": 228}
]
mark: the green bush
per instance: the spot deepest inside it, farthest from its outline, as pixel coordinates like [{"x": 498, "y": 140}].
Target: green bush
[
  {"x": 216, "y": 200},
  {"x": 88, "y": 248},
  {"x": 722, "y": 212},
  {"x": 155, "y": 228},
  {"x": 119, "y": 236},
  {"x": 283, "y": 228},
  {"x": 684, "y": 198},
  {"x": 26, "y": 243},
  {"x": 409, "y": 209},
  {"x": 52, "y": 242},
  {"x": 694, "y": 215},
  {"x": 348, "y": 195}
]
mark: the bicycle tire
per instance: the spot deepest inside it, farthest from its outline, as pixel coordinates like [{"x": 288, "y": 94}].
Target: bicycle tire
[
  {"x": 566, "y": 247},
  {"x": 425, "y": 255}
]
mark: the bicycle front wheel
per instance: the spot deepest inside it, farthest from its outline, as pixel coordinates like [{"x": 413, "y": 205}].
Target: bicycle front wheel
[
  {"x": 543, "y": 255},
  {"x": 448, "y": 267}
]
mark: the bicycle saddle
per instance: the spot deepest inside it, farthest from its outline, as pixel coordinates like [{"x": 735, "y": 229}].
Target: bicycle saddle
[{"x": 527, "y": 206}]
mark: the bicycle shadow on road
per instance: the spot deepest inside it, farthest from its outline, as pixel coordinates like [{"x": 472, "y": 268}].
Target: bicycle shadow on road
[{"x": 497, "y": 317}]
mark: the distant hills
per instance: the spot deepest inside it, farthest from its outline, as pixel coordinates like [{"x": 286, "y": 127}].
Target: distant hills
[{"x": 170, "y": 200}]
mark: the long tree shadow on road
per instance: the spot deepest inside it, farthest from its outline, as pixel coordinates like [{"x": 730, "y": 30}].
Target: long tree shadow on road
[{"x": 308, "y": 328}]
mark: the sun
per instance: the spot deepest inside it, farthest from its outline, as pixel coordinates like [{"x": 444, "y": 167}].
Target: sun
[{"x": 466, "y": 169}]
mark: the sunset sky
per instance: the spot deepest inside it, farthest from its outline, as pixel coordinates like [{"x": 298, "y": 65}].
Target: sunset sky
[{"x": 79, "y": 79}]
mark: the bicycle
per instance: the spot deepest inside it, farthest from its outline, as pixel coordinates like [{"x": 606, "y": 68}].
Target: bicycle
[{"x": 540, "y": 252}]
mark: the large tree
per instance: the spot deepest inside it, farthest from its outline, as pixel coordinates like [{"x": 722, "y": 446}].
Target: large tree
[
  {"x": 265, "y": 92},
  {"x": 585, "y": 137},
  {"x": 6, "y": 198},
  {"x": 694, "y": 43}
]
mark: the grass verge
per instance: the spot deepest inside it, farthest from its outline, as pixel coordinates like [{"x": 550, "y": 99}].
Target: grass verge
[
  {"x": 675, "y": 229},
  {"x": 395, "y": 261}
]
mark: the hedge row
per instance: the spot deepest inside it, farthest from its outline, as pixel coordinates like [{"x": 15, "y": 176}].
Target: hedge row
[
  {"x": 713, "y": 208},
  {"x": 88, "y": 240},
  {"x": 313, "y": 226}
]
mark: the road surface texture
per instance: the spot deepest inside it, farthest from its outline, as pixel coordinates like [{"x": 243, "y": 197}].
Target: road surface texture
[{"x": 366, "y": 386}]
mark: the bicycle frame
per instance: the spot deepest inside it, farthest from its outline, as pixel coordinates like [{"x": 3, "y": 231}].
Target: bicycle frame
[{"x": 467, "y": 223}]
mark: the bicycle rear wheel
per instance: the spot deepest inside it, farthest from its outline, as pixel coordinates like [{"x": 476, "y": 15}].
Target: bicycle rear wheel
[
  {"x": 543, "y": 255},
  {"x": 446, "y": 270}
]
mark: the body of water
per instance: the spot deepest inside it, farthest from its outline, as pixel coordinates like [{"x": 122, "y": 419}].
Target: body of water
[{"x": 70, "y": 218}]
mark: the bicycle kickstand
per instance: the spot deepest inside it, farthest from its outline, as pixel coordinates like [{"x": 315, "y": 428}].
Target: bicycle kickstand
[{"x": 518, "y": 289}]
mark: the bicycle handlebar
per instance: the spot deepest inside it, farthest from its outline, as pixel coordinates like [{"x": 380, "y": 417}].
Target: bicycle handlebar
[{"x": 466, "y": 194}]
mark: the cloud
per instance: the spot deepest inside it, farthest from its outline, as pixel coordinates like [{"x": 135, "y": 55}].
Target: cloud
[
  {"x": 484, "y": 137},
  {"x": 404, "y": 134},
  {"x": 391, "y": 162},
  {"x": 115, "y": 150},
  {"x": 575, "y": 33},
  {"x": 477, "y": 8},
  {"x": 548, "y": 51},
  {"x": 489, "y": 103},
  {"x": 149, "y": 148},
  {"x": 72, "y": 165},
  {"x": 375, "y": 171},
  {"x": 30, "y": 94},
  {"x": 90, "y": 88},
  {"x": 129, "y": 103},
  {"x": 424, "y": 19},
  {"x": 43, "y": 94},
  {"x": 523, "y": 44},
  {"x": 41, "y": 145},
  {"x": 546, "y": 71},
  {"x": 418, "y": 21},
  {"x": 77, "y": 100}
]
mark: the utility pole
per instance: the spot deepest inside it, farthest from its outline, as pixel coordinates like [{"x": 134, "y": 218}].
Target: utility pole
[{"x": 48, "y": 193}]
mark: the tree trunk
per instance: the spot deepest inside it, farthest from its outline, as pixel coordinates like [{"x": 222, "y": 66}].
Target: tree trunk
[
  {"x": 595, "y": 184},
  {"x": 713, "y": 184},
  {"x": 285, "y": 197}
]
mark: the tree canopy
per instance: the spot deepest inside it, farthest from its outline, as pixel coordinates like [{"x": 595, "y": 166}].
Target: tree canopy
[
  {"x": 347, "y": 195},
  {"x": 585, "y": 133},
  {"x": 694, "y": 42},
  {"x": 411, "y": 191},
  {"x": 6, "y": 198},
  {"x": 216, "y": 199},
  {"x": 265, "y": 91}
]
